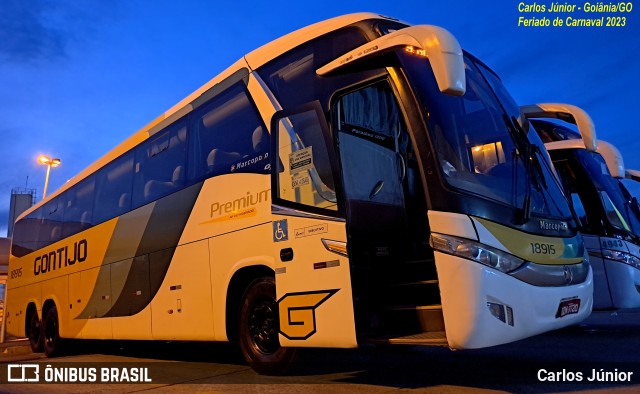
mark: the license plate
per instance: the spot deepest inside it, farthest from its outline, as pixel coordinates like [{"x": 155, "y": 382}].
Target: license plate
[{"x": 568, "y": 307}]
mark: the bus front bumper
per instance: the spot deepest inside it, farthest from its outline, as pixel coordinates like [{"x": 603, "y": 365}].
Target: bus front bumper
[{"x": 483, "y": 307}]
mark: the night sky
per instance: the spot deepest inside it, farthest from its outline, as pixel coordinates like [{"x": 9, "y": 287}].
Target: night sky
[{"x": 78, "y": 77}]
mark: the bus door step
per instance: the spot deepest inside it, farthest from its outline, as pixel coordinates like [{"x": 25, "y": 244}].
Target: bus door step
[{"x": 428, "y": 318}]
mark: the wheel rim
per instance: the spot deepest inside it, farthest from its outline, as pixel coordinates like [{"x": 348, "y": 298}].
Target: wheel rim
[{"x": 263, "y": 326}]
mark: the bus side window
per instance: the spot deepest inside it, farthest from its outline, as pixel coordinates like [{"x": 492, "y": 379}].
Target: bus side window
[
  {"x": 160, "y": 164},
  {"x": 79, "y": 208},
  {"x": 113, "y": 188},
  {"x": 228, "y": 136},
  {"x": 52, "y": 219},
  {"x": 580, "y": 201},
  {"x": 578, "y": 207},
  {"x": 292, "y": 77},
  {"x": 25, "y": 234}
]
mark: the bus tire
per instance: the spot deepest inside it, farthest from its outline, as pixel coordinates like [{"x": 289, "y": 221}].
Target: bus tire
[
  {"x": 35, "y": 333},
  {"x": 51, "y": 333},
  {"x": 259, "y": 327}
]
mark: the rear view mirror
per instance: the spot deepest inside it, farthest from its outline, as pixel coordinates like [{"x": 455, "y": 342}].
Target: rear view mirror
[
  {"x": 568, "y": 113},
  {"x": 633, "y": 175},
  {"x": 613, "y": 158}
]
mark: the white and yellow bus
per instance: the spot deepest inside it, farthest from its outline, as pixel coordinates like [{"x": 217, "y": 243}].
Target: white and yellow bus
[
  {"x": 608, "y": 218},
  {"x": 359, "y": 180}
]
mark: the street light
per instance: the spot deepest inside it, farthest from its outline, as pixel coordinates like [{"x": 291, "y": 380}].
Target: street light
[{"x": 49, "y": 162}]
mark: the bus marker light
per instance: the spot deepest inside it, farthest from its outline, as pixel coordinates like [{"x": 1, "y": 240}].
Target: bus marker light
[
  {"x": 503, "y": 313},
  {"x": 497, "y": 310},
  {"x": 337, "y": 247}
]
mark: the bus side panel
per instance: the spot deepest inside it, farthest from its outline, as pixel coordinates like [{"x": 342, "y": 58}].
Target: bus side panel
[
  {"x": 57, "y": 290},
  {"x": 227, "y": 203},
  {"x": 314, "y": 287},
  {"x": 90, "y": 295},
  {"x": 97, "y": 326},
  {"x": 129, "y": 324},
  {"x": 182, "y": 307},
  {"x": 15, "y": 308},
  {"x": 624, "y": 283},
  {"x": 601, "y": 292},
  {"x": 232, "y": 211},
  {"x": 32, "y": 294},
  {"x": 137, "y": 326},
  {"x": 230, "y": 253},
  {"x": 73, "y": 326}
]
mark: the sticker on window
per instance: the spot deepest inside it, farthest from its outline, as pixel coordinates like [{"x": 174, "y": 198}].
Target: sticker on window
[
  {"x": 300, "y": 179},
  {"x": 301, "y": 160}
]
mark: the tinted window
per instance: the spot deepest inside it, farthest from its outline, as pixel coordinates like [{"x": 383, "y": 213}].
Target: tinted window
[
  {"x": 228, "y": 136},
  {"x": 79, "y": 209},
  {"x": 371, "y": 130},
  {"x": 160, "y": 164},
  {"x": 51, "y": 225},
  {"x": 550, "y": 132},
  {"x": 579, "y": 193},
  {"x": 25, "y": 234},
  {"x": 113, "y": 189},
  {"x": 292, "y": 77},
  {"x": 615, "y": 204}
]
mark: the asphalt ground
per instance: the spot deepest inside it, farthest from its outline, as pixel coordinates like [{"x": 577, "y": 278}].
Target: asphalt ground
[{"x": 605, "y": 341}]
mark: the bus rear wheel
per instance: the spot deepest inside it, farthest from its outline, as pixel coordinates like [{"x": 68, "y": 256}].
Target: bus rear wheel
[
  {"x": 259, "y": 326},
  {"x": 35, "y": 333},
  {"x": 50, "y": 333}
]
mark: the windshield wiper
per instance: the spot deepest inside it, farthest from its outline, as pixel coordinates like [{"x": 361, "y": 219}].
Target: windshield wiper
[
  {"x": 630, "y": 202},
  {"x": 534, "y": 156},
  {"x": 525, "y": 147}
]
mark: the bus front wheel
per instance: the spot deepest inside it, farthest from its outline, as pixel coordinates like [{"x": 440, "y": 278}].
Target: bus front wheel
[
  {"x": 50, "y": 333},
  {"x": 35, "y": 333},
  {"x": 259, "y": 326}
]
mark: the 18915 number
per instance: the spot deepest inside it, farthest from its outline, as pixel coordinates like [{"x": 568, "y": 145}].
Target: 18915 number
[{"x": 540, "y": 248}]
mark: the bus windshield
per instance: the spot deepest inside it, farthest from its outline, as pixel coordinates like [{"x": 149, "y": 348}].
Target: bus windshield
[
  {"x": 617, "y": 208},
  {"x": 481, "y": 142},
  {"x": 630, "y": 200}
]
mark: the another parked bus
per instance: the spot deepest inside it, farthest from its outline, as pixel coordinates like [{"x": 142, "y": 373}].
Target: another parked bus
[
  {"x": 358, "y": 180},
  {"x": 590, "y": 170}
]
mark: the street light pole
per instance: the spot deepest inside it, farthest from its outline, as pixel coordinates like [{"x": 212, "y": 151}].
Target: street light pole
[{"x": 49, "y": 162}]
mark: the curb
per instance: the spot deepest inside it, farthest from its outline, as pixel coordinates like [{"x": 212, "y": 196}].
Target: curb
[{"x": 16, "y": 350}]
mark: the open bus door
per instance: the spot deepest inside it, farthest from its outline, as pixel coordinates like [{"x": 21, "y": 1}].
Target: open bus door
[{"x": 313, "y": 280}]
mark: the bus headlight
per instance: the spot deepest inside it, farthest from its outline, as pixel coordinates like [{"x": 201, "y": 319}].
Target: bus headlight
[
  {"x": 475, "y": 251},
  {"x": 622, "y": 257}
]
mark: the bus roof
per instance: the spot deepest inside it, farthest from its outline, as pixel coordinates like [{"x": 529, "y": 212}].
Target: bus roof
[
  {"x": 252, "y": 60},
  {"x": 613, "y": 158},
  {"x": 610, "y": 154}
]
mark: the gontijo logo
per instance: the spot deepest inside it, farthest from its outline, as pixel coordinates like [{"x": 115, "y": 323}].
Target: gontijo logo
[
  {"x": 61, "y": 257},
  {"x": 298, "y": 312}
]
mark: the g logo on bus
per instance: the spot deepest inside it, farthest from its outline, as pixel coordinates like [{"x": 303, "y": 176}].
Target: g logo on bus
[{"x": 298, "y": 312}]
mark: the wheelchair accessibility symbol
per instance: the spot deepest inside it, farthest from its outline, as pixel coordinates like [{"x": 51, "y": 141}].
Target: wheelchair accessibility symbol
[{"x": 280, "y": 232}]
